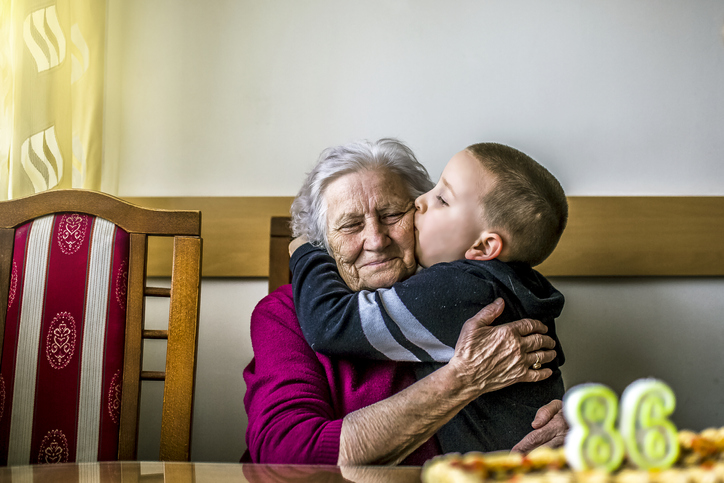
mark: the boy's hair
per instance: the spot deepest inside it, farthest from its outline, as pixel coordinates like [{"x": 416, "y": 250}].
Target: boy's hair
[{"x": 527, "y": 202}]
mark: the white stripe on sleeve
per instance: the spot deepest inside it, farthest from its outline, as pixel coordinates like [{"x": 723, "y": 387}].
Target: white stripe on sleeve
[
  {"x": 412, "y": 329},
  {"x": 377, "y": 333}
]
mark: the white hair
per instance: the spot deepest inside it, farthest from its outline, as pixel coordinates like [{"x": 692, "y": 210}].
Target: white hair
[{"x": 309, "y": 210}]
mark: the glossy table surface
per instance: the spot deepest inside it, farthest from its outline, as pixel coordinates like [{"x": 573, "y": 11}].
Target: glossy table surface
[{"x": 131, "y": 472}]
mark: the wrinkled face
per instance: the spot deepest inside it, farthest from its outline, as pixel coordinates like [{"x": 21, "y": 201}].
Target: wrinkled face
[
  {"x": 370, "y": 229},
  {"x": 449, "y": 218}
]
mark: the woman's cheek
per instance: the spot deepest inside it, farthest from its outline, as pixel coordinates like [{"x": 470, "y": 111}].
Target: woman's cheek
[
  {"x": 347, "y": 268},
  {"x": 341, "y": 247},
  {"x": 345, "y": 251},
  {"x": 350, "y": 276},
  {"x": 406, "y": 231}
]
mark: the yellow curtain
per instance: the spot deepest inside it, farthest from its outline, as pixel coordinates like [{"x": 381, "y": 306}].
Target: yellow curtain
[{"x": 51, "y": 96}]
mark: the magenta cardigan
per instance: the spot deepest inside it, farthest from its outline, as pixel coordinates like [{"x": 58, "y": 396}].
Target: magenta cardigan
[{"x": 296, "y": 398}]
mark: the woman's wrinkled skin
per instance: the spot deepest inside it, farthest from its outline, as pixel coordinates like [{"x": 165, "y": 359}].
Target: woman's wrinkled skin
[{"x": 370, "y": 228}]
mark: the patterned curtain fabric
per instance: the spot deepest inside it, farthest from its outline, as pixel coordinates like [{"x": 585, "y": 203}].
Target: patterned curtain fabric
[{"x": 51, "y": 95}]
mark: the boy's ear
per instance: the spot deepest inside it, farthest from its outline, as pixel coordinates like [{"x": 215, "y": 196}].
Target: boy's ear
[{"x": 487, "y": 247}]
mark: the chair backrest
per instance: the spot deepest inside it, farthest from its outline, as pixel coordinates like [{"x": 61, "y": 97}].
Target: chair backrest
[
  {"x": 280, "y": 237},
  {"x": 73, "y": 273}
]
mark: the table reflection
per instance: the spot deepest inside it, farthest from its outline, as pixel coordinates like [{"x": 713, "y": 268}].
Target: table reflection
[{"x": 133, "y": 472}]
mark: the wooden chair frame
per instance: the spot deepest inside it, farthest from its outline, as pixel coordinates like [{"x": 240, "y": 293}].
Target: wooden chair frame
[
  {"x": 182, "y": 333},
  {"x": 280, "y": 237}
]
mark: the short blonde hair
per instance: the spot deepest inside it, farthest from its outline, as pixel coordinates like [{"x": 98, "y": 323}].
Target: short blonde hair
[{"x": 527, "y": 202}]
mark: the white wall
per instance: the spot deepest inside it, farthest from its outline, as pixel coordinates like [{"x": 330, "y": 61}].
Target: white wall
[{"x": 238, "y": 97}]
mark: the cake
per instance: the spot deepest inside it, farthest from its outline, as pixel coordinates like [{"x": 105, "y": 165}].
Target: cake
[{"x": 701, "y": 460}]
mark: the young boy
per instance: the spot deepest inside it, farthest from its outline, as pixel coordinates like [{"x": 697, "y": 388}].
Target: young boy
[{"x": 494, "y": 214}]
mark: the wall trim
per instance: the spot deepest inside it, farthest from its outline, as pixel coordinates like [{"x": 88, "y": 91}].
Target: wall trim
[{"x": 606, "y": 236}]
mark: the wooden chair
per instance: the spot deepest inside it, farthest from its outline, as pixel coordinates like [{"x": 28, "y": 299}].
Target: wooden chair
[
  {"x": 72, "y": 231},
  {"x": 280, "y": 237}
]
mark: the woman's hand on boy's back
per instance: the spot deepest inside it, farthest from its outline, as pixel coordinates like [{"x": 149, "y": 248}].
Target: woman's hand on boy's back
[{"x": 488, "y": 358}]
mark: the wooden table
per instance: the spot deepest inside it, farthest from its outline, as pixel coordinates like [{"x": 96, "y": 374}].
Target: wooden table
[{"x": 132, "y": 472}]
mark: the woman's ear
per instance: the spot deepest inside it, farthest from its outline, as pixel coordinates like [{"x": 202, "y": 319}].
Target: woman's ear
[{"x": 487, "y": 247}]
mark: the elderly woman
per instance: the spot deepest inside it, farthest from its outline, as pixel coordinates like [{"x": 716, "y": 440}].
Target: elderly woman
[{"x": 304, "y": 407}]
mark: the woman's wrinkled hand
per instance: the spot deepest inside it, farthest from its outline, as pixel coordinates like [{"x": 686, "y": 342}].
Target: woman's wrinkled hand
[
  {"x": 549, "y": 429},
  {"x": 488, "y": 358}
]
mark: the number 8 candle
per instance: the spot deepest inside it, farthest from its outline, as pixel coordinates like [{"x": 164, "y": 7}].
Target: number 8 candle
[
  {"x": 651, "y": 439},
  {"x": 592, "y": 440}
]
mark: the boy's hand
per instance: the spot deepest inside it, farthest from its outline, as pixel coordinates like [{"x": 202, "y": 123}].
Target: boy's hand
[{"x": 296, "y": 243}]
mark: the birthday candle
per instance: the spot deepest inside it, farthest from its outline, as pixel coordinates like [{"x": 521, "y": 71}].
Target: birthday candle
[
  {"x": 592, "y": 440},
  {"x": 651, "y": 439}
]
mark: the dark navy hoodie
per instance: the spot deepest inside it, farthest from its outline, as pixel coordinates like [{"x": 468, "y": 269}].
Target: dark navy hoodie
[{"x": 419, "y": 320}]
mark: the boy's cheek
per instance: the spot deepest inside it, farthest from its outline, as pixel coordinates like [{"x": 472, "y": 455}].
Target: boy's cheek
[{"x": 422, "y": 251}]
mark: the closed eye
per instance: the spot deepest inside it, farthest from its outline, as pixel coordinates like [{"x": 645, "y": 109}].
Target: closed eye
[
  {"x": 392, "y": 218},
  {"x": 351, "y": 227},
  {"x": 441, "y": 200}
]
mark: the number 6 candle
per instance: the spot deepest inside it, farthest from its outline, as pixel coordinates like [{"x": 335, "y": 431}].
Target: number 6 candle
[{"x": 651, "y": 439}]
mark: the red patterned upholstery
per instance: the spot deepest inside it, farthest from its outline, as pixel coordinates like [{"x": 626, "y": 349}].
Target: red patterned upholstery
[{"x": 62, "y": 358}]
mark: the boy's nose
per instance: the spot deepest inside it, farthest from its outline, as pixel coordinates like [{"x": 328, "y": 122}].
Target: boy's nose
[{"x": 420, "y": 204}]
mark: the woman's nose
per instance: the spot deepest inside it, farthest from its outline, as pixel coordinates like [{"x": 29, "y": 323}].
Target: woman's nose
[{"x": 376, "y": 236}]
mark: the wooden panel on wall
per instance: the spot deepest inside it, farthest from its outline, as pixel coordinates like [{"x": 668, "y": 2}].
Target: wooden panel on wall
[
  {"x": 606, "y": 236},
  {"x": 641, "y": 236},
  {"x": 235, "y": 230}
]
